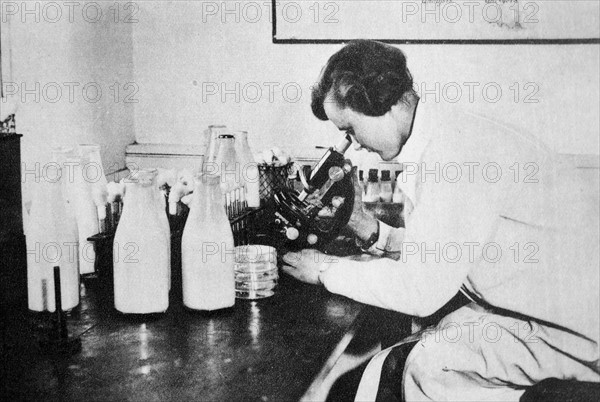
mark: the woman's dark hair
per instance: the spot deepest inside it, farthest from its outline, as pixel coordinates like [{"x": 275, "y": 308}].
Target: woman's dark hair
[{"x": 367, "y": 76}]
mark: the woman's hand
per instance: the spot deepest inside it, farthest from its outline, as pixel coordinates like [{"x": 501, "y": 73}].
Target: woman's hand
[{"x": 307, "y": 264}]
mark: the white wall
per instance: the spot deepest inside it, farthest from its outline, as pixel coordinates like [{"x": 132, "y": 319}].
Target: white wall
[
  {"x": 176, "y": 55},
  {"x": 45, "y": 56}
]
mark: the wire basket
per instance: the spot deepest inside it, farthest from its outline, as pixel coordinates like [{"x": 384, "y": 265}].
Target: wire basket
[
  {"x": 273, "y": 178},
  {"x": 247, "y": 228}
]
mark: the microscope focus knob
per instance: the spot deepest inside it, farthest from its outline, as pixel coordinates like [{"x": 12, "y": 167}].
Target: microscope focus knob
[{"x": 292, "y": 233}]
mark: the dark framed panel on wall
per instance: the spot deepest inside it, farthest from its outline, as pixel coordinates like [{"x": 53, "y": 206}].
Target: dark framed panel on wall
[{"x": 437, "y": 21}]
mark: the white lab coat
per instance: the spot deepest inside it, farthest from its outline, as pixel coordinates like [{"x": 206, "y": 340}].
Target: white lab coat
[{"x": 493, "y": 211}]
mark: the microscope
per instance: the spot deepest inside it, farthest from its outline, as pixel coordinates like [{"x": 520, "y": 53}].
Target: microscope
[{"x": 298, "y": 219}]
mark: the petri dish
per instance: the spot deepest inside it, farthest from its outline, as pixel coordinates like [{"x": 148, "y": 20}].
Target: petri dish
[
  {"x": 256, "y": 276},
  {"x": 253, "y": 294},
  {"x": 256, "y": 285},
  {"x": 255, "y": 253},
  {"x": 254, "y": 267}
]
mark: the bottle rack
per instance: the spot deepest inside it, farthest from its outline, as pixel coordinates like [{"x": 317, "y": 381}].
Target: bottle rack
[{"x": 273, "y": 178}]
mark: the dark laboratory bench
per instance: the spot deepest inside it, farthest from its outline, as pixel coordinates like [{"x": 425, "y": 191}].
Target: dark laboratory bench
[{"x": 264, "y": 350}]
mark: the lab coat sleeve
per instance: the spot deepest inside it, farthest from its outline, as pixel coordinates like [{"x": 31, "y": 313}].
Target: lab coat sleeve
[
  {"x": 388, "y": 242},
  {"x": 390, "y": 239},
  {"x": 443, "y": 240}
]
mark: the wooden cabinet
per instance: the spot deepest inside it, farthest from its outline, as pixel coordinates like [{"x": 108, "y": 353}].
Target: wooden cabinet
[{"x": 13, "y": 268}]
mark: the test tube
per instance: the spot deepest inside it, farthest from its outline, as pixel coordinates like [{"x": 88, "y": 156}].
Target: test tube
[{"x": 115, "y": 215}]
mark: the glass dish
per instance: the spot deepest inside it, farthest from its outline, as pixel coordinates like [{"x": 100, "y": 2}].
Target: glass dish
[
  {"x": 256, "y": 285},
  {"x": 253, "y": 294},
  {"x": 255, "y": 253},
  {"x": 256, "y": 276},
  {"x": 254, "y": 267}
]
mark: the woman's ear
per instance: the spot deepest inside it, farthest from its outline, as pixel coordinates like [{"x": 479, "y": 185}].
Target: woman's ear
[
  {"x": 404, "y": 104},
  {"x": 398, "y": 109},
  {"x": 409, "y": 98}
]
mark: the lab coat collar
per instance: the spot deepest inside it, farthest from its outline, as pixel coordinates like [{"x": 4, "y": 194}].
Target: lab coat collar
[
  {"x": 414, "y": 148},
  {"x": 420, "y": 135}
]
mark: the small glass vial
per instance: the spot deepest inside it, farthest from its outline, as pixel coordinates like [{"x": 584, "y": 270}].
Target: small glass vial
[
  {"x": 385, "y": 190},
  {"x": 398, "y": 196},
  {"x": 361, "y": 184},
  {"x": 372, "y": 194}
]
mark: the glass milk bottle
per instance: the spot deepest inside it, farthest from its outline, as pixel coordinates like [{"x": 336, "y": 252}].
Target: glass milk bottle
[
  {"x": 161, "y": 210},
  {"x": 207, "y": 260},
  {"x": 212, "y": 133},
  {"x": 51, "y": 238},
  {"x": 59, "y": 159},
  {"x": 140, "y": 250},
  {"x": 249, "y": 169},
  {"x": 227, "y": 165},
  {"x": 94, "y": 171},
  {"x": 95, "y": 183},
  {"x": 86, "y": 213}
]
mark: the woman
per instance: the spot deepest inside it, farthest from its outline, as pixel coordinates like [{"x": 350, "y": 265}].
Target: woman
[{"x": 488, "y": 214}]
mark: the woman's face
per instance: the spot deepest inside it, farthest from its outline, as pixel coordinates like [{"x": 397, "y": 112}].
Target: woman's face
[{"x": 381, "y": 134}]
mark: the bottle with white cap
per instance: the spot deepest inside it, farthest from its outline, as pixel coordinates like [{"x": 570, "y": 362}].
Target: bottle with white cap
[
  {"x": 81, "y": 196},
  {"x": 161, "y": 211},
  {"x": 361, "y": 184},
  {"x": 207, "y": 262},
  {"x": 212, "y": 146},
  {"x": 96, "y": 187},
  {"x": 51, "y": 237},
  {"x": 140, "y": 250},
  {"x": 398, "y": 196},
  {"x": 372, "y": 193},
  {"x": 227, "y": 164},
  {"x": 385, "y": 187},
  {"x": 93, "y": 168},
  {"x": 249, "y": 168}
]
